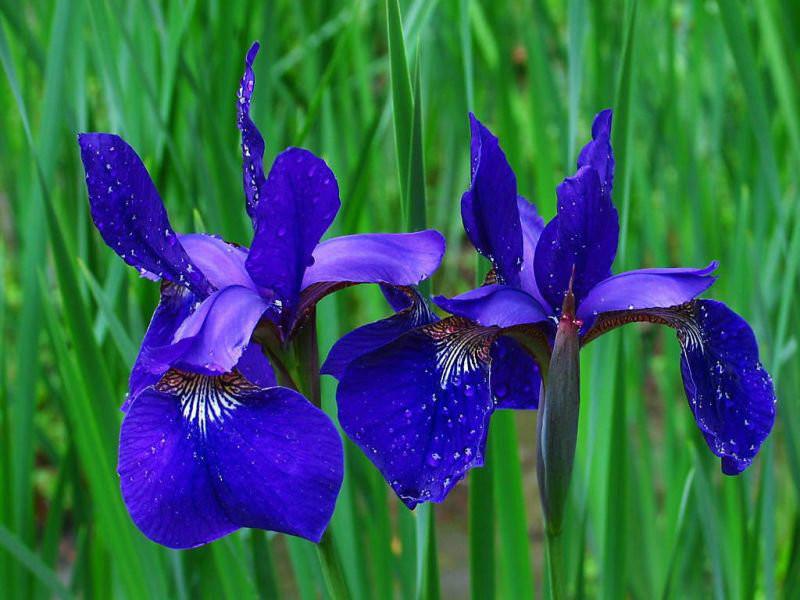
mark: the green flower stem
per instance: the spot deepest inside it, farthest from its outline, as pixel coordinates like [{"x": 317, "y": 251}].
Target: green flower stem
[
  {"x": 279, "y": 357},
  {"x": 297, "y": 366},
  {"x": 264, "y": 565},
  {"x": 555, "y": 565},
  {"x": 332, "y": 570},
  {"x": 306, "y": 360},
  {"x": 305, "y": 351}
]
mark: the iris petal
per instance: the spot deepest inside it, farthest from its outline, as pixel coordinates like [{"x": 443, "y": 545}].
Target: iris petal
[
  {"x": 489, "y": 207},
  {"x": 532, "y": 226},
  {"x": 399, "y": 259},
  {"x": 389, "y": 259},
  {"x": 211, "y": 340},
  {"x": 585, "y": 232},
  {"x": 301, "y": 198},
  {"x": 255, "y": 366},
  {"x": 645, "y": 288},
  {"x": 202, "y": 456},
  {"x": 515, "y": 376},
  {"x": 494, "y": 305},
  {"x": 730, "y": 394},
  {"x": 165, "y": 484},
  {"x": 372, "y": 336},
  {"x": 222, "y": 263},
  {"x": 129, "y": 214},
  {"x": 252, "y": 142},
  {"x": 428, "y": 425},
  {"x": 582, "y": 236},
  {"x": 176, "y": 304},
  {"x": 598, "y": 153}
]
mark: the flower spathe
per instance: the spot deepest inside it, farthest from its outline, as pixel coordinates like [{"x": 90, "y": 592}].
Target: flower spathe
[
  {"x": 209, "y": 442},
  {"x": 430, "y": 390}
]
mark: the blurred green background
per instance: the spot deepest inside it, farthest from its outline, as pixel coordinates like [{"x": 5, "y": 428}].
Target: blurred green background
[{"x": 707, "y": 135}]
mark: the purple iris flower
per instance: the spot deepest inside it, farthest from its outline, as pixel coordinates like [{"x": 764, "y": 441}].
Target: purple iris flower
[
  {"x": 416, "y": 393},
  {"x": 210, "y": 443}
]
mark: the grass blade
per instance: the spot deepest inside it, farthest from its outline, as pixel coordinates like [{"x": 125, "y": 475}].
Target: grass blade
[
  {"x": 739, "y": 44},
  {"x": 31, "y": 561},
  {"x": 512, "y": 520},
  {"x": 402, "y": 99},
  {"x": 119, "y": 334},
  {"x": 481, "y": 530},
  {"x": 614, "y": 552},
  {"x": 622, "y": 133}
]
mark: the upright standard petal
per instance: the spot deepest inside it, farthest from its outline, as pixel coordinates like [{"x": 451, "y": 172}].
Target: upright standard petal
[
  {"x": 211, "y": 340},
  {"x": 598, "y": 153},
  {"x": 494, "y": 306},
  {"x": 367, "y": 338},
  {"x": 582, "y": 236},
  {"x": 202, "y": 456},
  {"x": 532, "y": 226},
  {"x": 419, "y": 407},
  {"x": 489, "y": 207},
  {"x": 252, "y": 142},
  {"x": 301, "y": 198},
  {"x": 729, "y": 392},
  {"x": 645, "y": 288},
  {"x": 129, "y": 214}
]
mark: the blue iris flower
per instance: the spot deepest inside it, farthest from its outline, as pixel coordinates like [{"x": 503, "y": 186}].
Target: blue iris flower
[
  {"x": 210, "y": 443},
  {"x": 416, "y": 393}
]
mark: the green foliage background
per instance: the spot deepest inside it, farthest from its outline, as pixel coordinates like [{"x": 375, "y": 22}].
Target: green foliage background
[{"x": 707, "y": 135}]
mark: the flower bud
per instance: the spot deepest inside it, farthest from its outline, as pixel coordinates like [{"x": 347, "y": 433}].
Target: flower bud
[{"x": 558, "y": 418}]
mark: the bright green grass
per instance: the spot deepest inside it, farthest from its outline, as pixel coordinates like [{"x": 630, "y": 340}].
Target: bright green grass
[{"x": 707, "y": 133}]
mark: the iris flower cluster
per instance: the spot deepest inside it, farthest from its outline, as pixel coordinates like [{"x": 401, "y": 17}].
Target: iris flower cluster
[{"x": 211, "y": 442}]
